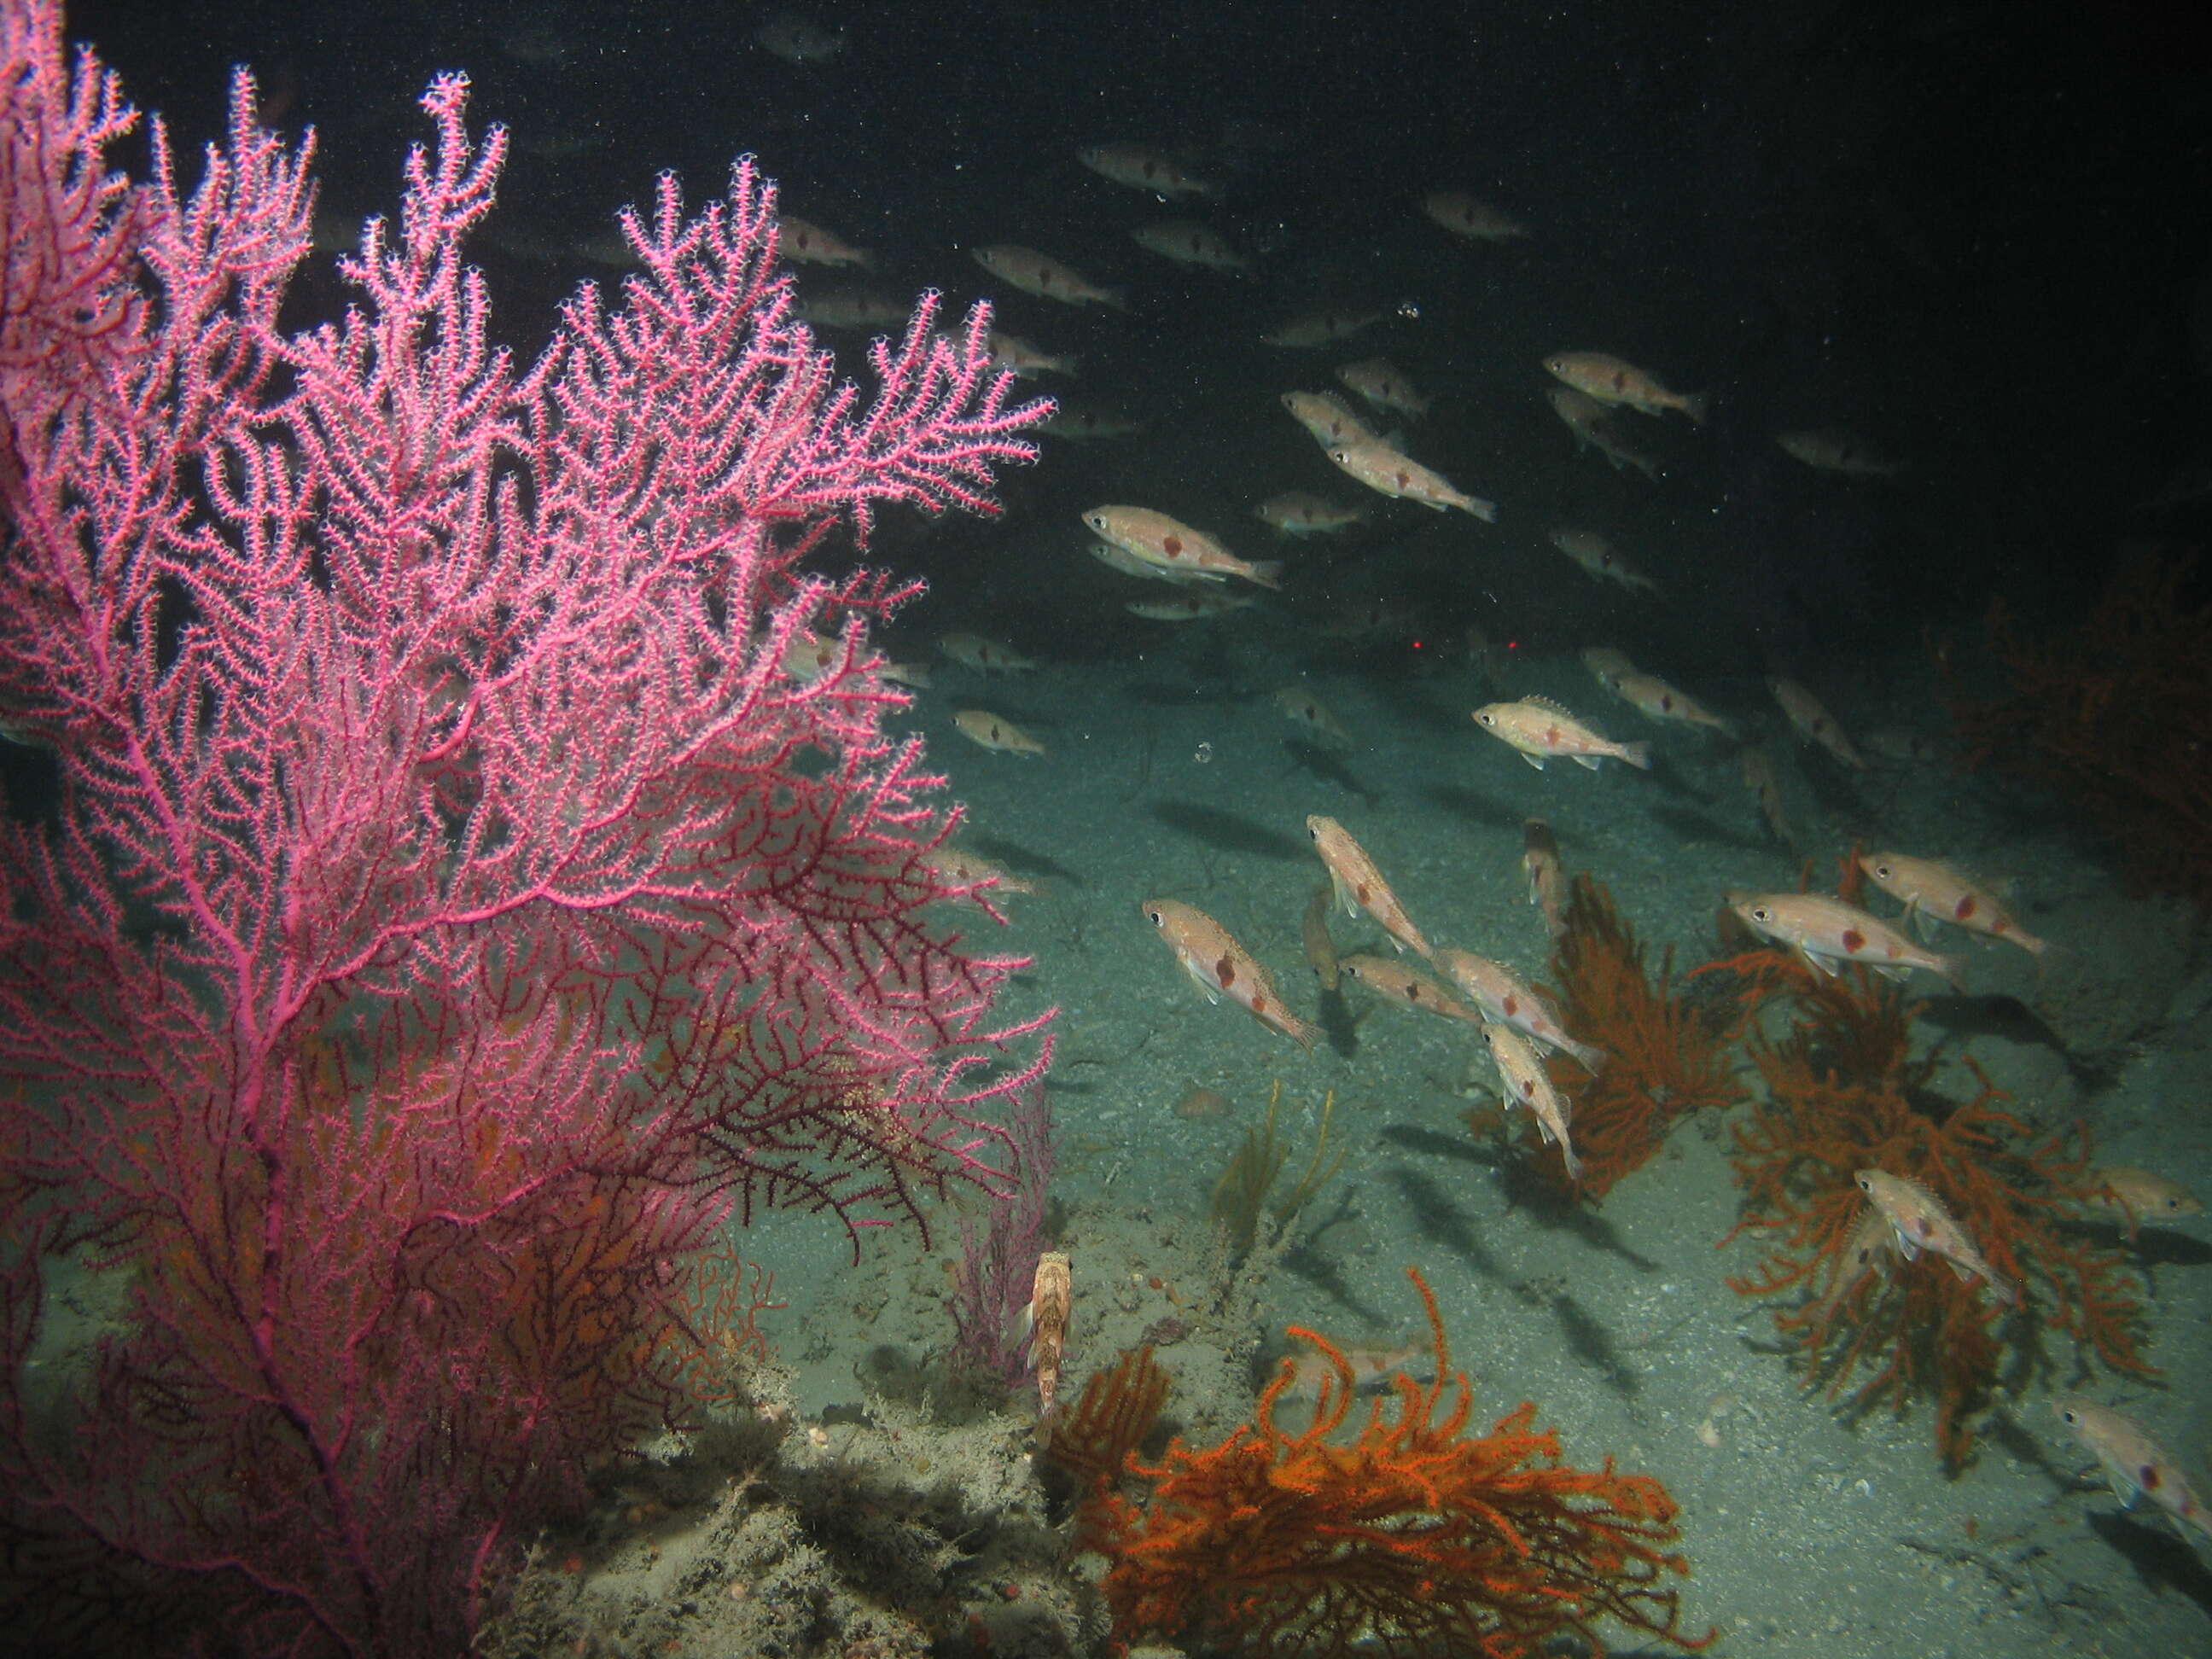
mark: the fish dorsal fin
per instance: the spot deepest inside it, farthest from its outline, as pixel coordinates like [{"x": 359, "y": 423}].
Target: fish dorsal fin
[{"x": 1537, "y": 700}]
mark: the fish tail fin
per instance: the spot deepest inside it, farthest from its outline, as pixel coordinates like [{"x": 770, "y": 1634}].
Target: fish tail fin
[
  {"x": 1637, "y": 755},
  {"x": 1113, "y": 298},
  {"x": 1952, "y": 971},
  {"x": 1486, "y": 510},
  {"x": 1268, "y": 573},
  {"x": 1696, "y": 405}
]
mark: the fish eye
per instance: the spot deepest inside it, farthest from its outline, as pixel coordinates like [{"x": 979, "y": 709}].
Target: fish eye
[
  {"x": 2070, "y": 1414},
  {"x": 1760, "y": 913},
  {"x": 1487, "y": 719},
  {"x": 1881, "y": 871},
  {"x": 1159, "y": 918}
]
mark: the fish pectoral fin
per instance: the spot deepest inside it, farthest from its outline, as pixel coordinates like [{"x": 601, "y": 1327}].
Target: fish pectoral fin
[
  {"x": 1212, "y": 992},
  {"x": 1819, "y": 964},
  {"x": 1536, "y": 760},
  {"x": 1344, "y": 899}
]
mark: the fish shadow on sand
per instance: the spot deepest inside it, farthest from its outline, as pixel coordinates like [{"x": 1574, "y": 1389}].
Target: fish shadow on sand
[
  {"x": 1475, "y": 806},
  {"x": 1309, "y": 1262},
  {"x": 2160, "y": 1560},
  {"x": 1436, "y": 1217},
  {"x": 1160, "y": 695},
  {"x": 1412, "y": 705},
  {"x": 2154, "y": 1247},
  {"x": 1024, "y": 862},
  {"x": 1700, "y": 830},
  {"x": 1338, "y": 1024},
  {"x": 1586, "y": 1338},
  {"x": 2008, "y": 1019},
  {"x": 1330, "y": 768},
  {"x": 1231, "y": 832}
]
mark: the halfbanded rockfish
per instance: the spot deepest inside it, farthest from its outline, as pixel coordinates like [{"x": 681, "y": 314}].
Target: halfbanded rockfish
[
  {"x": 1173, "y": 545},
  {"x": 1922, "y": 1224},
  {"x": 1824, "y": 931},
  {"x": 2137, "y": 1465},
  {"x": 1220, "y": 967},
  {"x": 1540, "y": 730},
  {"x": 1610, "y": 381},
  {"x": 1506, "y": 1000},
  {"x": 1526, "y": 1082},
  {"x": 1359, "y": 885},
  {"x": 1387, "y": 473},
  {"x": 1936, "y": 892}
]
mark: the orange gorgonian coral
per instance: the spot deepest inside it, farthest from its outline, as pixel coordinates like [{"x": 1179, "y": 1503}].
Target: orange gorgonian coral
[
  {"x": 1415, "y": 1539},
  {"x": 1667, "y": 1055},
  {"x": 1842, "y": 1097}
]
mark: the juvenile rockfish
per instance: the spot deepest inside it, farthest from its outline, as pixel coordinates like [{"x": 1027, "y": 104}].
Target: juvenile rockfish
[
  {"x": 1360, "y": 885},
  {"x": 1120, "y": 559},
  {"x": 981, "y": 727},
  {"x": 1936, "y": 891},
  {"x": 1394, "y": 981},
  {"x": 1321, "y": 948},
  {"x": 2137, "y": 1465},
  {"x": 1526, "y": 1082},
  {"x": 1922, "y": 1223},
  {"x": 1759, "y": 777},
  {"x": 1312, "y": 716},
  {"x": 1386, "y": 472},
  {"x": 1833, "y": 449},
  {"x": 1498, "y": 990},
  {"x": 1040, "y": 274},
  {"x": 1187, "y": 243},
  {"x": 1649, "y": 694},
  {"x": 1610, "y": 381},
  {"x": 1383, "y": 385},
  {"x": 1594, "y": 428},
  {"x": 1871, "y": 1239},
  {"x": 850, "y": 308},
  {"x": 1173, "y": 545},
  {"x": 811, "y": 245},
  {"x": 1540, "y": 729},
  {"x": 955, "y": 866},
  {"x": 985, "y": 656},
  {"x": 1813, "y": 721},
  {"x": 1547, "y": 877},
  {"x": 1469, "y": 219},
  {"x": 1320, "y": 328},
  {"x": 1825, "y": 931},
  {"x": 1607, "y": 665},
  {"x": 1220, "y": 967},
  {"x": 1328, "y": 420},
  {"x": 1017, "y": 356},
  {"x": 1598, "y": 555},
  {"x": 1189, "y": 607},
  {"x": 2140, "y": 1194},
  {"x": 1300, "y": 513},
  {"x": 1085, "y": 426},
  {"x": 1143, "y": 169}
]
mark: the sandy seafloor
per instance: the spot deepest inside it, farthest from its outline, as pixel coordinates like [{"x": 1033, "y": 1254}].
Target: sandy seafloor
[{"x": 1170, "y": 775}]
